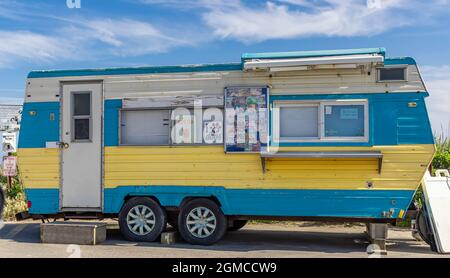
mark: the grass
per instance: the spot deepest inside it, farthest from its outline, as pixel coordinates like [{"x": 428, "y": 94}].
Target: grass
[{"x": 442, "y": 158}]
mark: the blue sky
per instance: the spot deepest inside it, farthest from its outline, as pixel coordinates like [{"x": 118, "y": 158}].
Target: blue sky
[{"x": 46, "y": 34}]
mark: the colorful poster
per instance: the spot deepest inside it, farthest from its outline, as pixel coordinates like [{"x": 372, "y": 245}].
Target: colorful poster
[{"x": 246, "y": 118}]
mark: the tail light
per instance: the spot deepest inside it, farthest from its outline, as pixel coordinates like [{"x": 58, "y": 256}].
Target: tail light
[{"x": 29, "y": 204}]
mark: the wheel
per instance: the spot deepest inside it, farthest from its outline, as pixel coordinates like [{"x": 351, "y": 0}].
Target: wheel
[
  {"x": 237, "y": 225},
  {"x": 142, "y": 219},
  {"x": 201, "y": 222},
  {"x": 422, "y": 228}
]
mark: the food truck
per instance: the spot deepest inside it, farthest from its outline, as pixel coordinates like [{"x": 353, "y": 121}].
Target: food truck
[{"x": 335, "y": 134}]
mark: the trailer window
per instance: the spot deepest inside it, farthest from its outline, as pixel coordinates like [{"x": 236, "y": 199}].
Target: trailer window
[
  {"x": 344, "y": 120},
  {"x": 171, "y": 126},
  {"x": 81, "y": 116},
  {"x": 299, "y": 122},
  {"x": 144, "y": 127},
  {"x": 316, "y": 121},
  {"x": 392, "y": 74}
]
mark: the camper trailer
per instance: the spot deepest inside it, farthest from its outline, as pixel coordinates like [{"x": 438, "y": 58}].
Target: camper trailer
[{"x": 323, "y": 135}]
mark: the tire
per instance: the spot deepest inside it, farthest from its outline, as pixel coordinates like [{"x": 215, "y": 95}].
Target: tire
[
  {"x": 422, "y": 228},
  {"x": 147, "y": 228},
  {"x": 237, "y": 225},
  {"x": 207, "y": 234}
]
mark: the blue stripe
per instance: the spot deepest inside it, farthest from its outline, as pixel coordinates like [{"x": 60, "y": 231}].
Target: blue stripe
[
  {"x": 255, "y": 202},
  {"x": 137, "y": 70},
  {"x": 111, "y": 125},
  {"x": 391, "y": 121},
  {"x": 36, "y": 130},
  {"x": 43, "y": 201},
  {"x": 400, "y": 61}
]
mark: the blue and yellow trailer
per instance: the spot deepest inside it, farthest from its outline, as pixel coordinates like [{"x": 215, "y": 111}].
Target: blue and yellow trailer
[{"x": 340, "y": 134}]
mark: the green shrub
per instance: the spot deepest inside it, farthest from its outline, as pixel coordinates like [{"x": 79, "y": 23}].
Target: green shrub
[
  {"x": 14, "y": 199},
  {"x": 14, "y": 190},
  {"x": 13, "y": 206},
  {"x": 442, "y": 157}
]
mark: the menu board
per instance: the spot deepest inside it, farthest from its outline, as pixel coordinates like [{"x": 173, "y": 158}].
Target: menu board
[{"x": 246, "y": 118}]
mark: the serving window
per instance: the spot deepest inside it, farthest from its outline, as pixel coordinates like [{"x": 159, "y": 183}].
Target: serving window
[
  {"x": 171, "y": 126},
  {"x": 316, "y": 121},
  {"x": 299, "y": 121},
  {"x": 144, "y": 127}
]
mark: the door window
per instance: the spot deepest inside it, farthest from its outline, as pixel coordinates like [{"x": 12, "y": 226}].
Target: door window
[{"x": 81, "y": 116}]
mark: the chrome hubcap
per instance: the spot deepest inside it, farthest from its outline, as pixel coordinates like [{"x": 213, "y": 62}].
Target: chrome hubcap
[
  {"x": 141, "y": 220},
  {"x": 201, "y": 222}
]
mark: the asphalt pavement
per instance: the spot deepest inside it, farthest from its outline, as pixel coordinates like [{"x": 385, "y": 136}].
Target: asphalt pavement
[{"x": 298, "y": 240}]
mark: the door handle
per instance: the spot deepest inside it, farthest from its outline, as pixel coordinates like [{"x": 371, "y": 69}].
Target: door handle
[{"x": 63, "y": 145}]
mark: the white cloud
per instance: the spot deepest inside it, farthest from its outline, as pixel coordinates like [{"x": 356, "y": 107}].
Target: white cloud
[
  {"x": 193, "y": 4},
  {"x": 284, "y": 19},
  {"x": 294, "y": 19},
  {"x": 29, "y": 46},
  {"x": 85, "y": 39},
  {"x": 437, "y": 80},
  {"x": 125, "y": 37}
]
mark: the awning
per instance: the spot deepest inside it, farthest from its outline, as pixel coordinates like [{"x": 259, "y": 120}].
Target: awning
[{"x": 303, "y": 63}]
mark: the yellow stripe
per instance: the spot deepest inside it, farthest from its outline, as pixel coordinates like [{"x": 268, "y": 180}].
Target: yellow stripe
[
  {"x": 39, "y": 168},
  {"x": 403, "y": 168}
]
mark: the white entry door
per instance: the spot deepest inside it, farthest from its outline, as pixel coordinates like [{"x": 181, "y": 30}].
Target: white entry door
[{"x": 81, "y": 147}]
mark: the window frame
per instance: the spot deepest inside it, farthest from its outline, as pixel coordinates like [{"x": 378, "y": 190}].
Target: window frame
[
  {"x": 171, "y": 125},
  {"x": 405, "y": 73},
  {"x": 321, "y": 121},
  {"x": 80, "y": 117}
]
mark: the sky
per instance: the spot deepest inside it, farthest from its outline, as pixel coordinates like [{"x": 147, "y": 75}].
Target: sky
[{"x": 55, "y": 34}]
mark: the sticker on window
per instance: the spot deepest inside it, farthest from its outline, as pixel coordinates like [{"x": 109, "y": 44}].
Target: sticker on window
[{"x": 349, "y": 114}]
